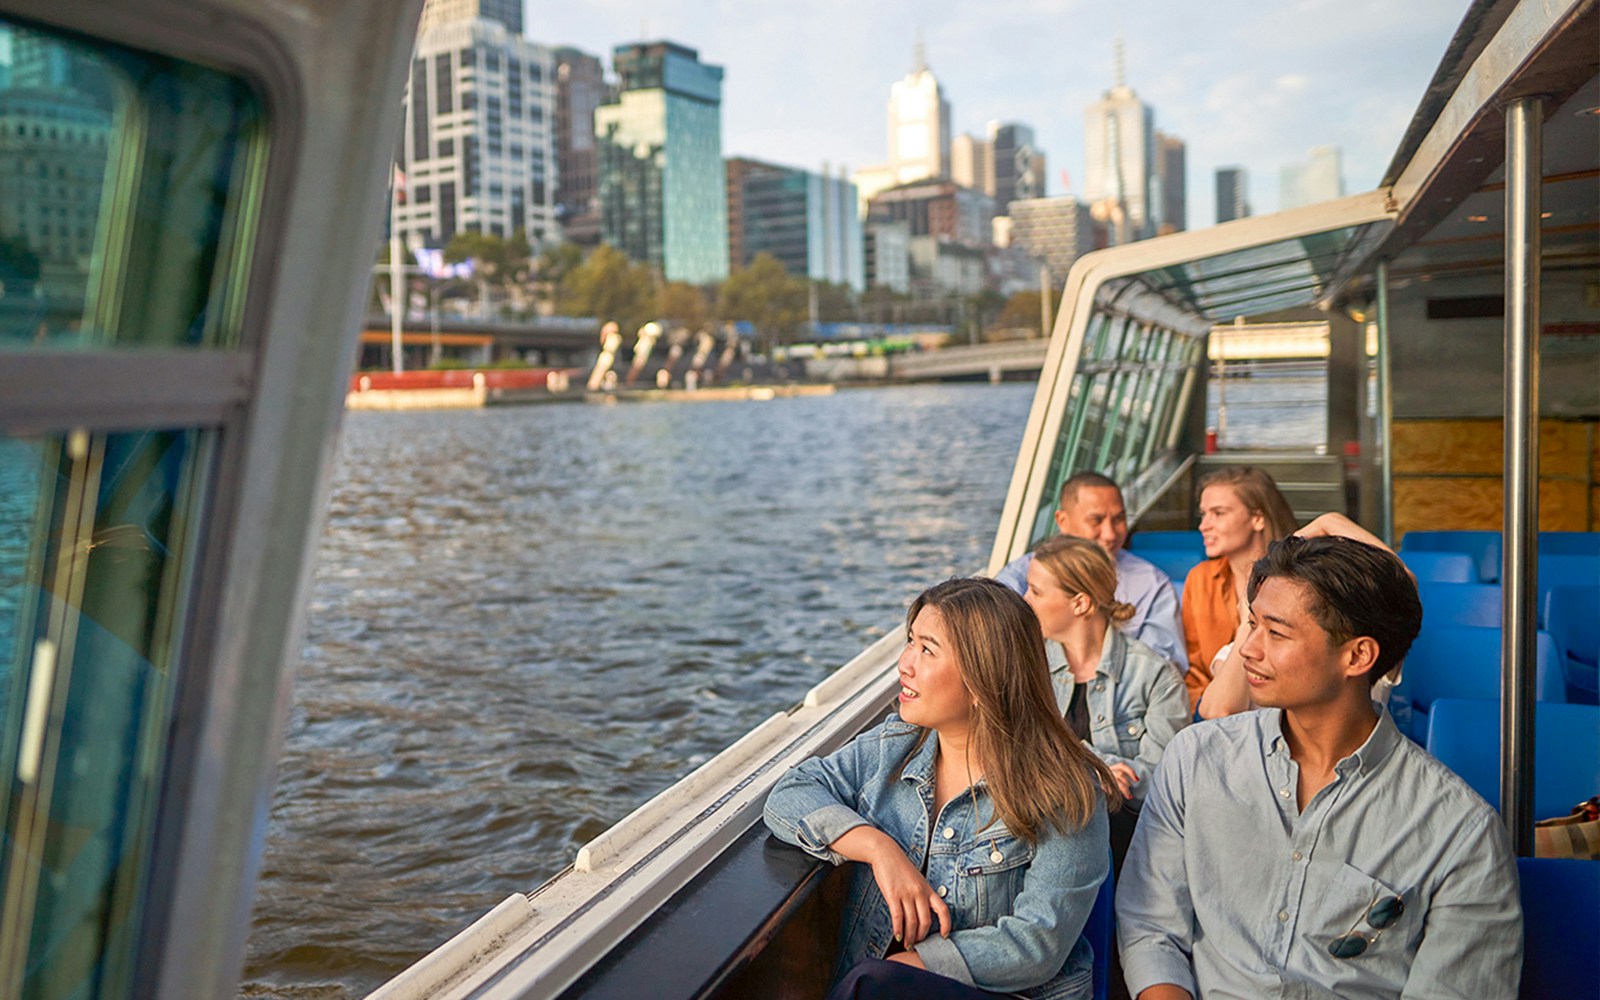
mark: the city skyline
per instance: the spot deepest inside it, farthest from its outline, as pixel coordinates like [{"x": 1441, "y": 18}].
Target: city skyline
[{"x": 807, "y": 85}]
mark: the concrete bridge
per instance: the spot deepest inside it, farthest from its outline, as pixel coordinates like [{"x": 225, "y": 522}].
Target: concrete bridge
[{"x": 561, "y": 341}]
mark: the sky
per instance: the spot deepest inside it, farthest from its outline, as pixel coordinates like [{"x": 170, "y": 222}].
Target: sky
[{"x": 1256, "y": 83}]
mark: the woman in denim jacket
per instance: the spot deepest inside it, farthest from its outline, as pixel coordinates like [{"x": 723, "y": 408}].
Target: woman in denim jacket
[
  {"x": 979, "y": 821},
  {"x": 1122, "y": 698}
]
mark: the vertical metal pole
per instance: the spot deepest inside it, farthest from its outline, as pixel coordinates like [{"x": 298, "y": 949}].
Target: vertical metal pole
[
  {"x": 1524, "y": 176},
  {"x": 1385, "y": 405}
]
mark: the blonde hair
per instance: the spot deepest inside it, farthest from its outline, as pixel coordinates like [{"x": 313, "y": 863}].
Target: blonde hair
[
  {"x": 1036, "y": 770},
  {"x": 1083, "y": 567},
  {"x": 1259, "y": 494}
]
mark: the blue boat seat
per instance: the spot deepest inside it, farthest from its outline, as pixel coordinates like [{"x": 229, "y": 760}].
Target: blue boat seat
[
  {"x": 1460, "y": 604},
  {"x": 1441, "y": 567},
  {"x": 1176, "y": 563},
  {"x": 1572, "y": 616},
  {"x": 1464, "y": 662},
  {"x": 1560, "y": 924},
  {"x": 1482, "y": 546},
  {"x": 1566, "y": 571},
  {"x": 1183, "y": 541},
  {"x": 1464, "y": 734},
  {"x": 1100, "y": 932},
  {"x": 1570, "y": 543}
]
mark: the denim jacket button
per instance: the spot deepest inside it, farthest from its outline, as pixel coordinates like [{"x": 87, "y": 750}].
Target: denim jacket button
[
  {"x": 1100, "y": 686},
  {"x": 997, "y": 857},
  {"x": 949, "y": 833},
  {"x": 1099, "y": 718},
  {"x": 944, "y": 890}
]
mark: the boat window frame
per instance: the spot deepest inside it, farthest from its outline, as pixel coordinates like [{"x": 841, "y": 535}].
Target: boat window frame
[{"x": 1106, "y": 282}]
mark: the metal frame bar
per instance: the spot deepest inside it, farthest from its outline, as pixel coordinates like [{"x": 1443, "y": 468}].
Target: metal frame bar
[
  {"x": 1519, "y": 570},
  {"x": 1385, "y": 402},
  {"x": 115, "y": 390}
]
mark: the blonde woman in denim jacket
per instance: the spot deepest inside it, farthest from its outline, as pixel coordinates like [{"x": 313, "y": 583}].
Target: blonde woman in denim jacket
[
  {"x": 1122, "y": 698},
  {"x": 978, "y": 821}
]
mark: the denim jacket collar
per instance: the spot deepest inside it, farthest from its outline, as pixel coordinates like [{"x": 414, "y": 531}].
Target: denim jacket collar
[{"x": 919, "y": 768}]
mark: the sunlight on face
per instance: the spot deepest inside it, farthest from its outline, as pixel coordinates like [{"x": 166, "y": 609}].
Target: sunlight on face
[{"x": 932, "y": 693}]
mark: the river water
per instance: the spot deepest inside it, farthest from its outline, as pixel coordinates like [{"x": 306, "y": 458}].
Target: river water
[{"x": 525, "y": 622}]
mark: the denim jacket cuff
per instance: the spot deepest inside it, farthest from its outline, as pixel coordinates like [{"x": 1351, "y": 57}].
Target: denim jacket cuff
[
  {"x": 821, "y": 827},
  {"x": 941, "y": 955},
  {"x": 1144, "y": 967}
]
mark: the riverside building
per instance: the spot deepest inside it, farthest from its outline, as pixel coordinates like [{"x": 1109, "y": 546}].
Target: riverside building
[
  {"x": 808, "y": 221},
  {"x": 477, "y": 147},
  {"x": 663, "y": 199}
]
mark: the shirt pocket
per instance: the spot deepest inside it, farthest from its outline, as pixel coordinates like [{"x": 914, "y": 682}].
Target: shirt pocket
[
  {"x": 1341, "y": 902},
  {"x": 990, "y": 875}
]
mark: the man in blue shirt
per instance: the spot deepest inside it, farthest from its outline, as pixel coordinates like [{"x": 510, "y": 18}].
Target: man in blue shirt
[
  {"x": 1308, "y": 849},
  {"x": 1091, "y": 507}
]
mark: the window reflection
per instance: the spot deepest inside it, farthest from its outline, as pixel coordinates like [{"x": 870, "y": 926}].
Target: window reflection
[
  {"x": 95, "y": 548},
  {"x": 120, "y": 174}
]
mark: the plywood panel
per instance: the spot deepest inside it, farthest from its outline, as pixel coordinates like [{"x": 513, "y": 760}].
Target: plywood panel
[
  {"x": 1446, "y": 504},
  {"x": 1563, "y": 449},
  {"x": 1562, "y": 505},
  {"x": 1459, "y": 446}
]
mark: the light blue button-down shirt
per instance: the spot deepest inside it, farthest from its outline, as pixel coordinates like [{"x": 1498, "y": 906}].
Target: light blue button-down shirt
[
  {"x": 1230, "y": 891},
  {"x": 1140, "y": 582}
]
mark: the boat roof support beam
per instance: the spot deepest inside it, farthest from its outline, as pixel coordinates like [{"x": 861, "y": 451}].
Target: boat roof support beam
[{"x": 1524, "y": 136}]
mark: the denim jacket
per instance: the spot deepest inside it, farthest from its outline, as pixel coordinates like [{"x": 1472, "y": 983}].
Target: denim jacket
[
  {"x": 1137, "y": 703},
  {"x": 1018, "y": 911}
]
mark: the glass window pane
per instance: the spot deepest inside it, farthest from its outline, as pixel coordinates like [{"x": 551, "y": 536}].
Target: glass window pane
[
  {"x": 123, "y": 184},
  {"x": 96, "y": 543}
]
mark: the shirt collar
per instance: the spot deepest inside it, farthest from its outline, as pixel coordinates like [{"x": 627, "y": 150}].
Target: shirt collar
[
  {"x": 1112, "y": 654},
  {"x": 1383, "y": 739},
  {"x": 1220, "y": 570},
  {"x": 920, "y": 767}
]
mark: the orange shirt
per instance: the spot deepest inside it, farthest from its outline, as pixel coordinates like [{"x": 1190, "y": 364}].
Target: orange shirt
[{"x": 1210, "y": 617}]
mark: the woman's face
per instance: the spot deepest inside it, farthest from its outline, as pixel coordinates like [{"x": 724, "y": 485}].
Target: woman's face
[
  {"x": 932, "y": 693},
  {"x": 1227, "y": 526},
  {"x": 1057, "y": 610}
]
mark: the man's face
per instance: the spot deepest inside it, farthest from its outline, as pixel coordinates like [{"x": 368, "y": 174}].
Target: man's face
[
  {"x": 1096, "y": 513},
  {"x": 1289, "y": 661}
]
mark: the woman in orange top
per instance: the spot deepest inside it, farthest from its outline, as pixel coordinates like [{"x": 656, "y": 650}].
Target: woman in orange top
[{"x": 1241, "y": 513}]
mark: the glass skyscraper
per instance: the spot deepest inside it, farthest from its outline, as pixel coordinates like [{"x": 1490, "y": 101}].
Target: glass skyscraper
[
  {"x": 663, "y": 200},
  {"x": 807, "y": 220}
]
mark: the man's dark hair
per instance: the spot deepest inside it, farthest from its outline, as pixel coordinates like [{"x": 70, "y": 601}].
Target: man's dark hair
[
  {"x": 1358, "y": 590},
  {"x": 1070, "y": 488}
]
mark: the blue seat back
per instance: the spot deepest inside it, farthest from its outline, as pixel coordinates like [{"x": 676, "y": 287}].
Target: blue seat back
[
  {"x": 1176, "y": 563},
  {"x": 1464, "y": 734},
  {"x": 1183, "y": 541},
  {"x": 1460, "y": 604},
  {"x": 1567, "y": 571},
  {"x": 1441, "y": 567},
  {"x": 1100, "y": 931},
  {"x": 1572, "y": 616},
  {"x": 1464, "y": 662},
  {"x": 1573, "y": 543},
  {"x": 1561, "y": 923},
  {"x": 1482, "y": 546}
]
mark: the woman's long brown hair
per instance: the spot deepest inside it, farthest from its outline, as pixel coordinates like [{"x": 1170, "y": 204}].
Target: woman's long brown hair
[{"x": 1036, "y": 770}]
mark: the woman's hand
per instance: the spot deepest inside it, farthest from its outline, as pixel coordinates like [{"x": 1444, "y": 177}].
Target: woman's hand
[
  {"x": 1125, "y": 779},
  {"x": 913, "y": 904}
]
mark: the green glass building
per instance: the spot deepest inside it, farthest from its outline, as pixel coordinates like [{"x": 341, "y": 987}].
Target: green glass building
[{"x": 662, "y": 196}]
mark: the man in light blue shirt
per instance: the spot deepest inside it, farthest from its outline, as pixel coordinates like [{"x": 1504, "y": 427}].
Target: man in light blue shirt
[
  {"x": 1091, "y": 507},
  {"x": 1309, "y": 850}
]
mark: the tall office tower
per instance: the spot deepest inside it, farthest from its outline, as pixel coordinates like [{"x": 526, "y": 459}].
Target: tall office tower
[
  {"x": 808, "y": 221},
  {"x": 477, "y": 147},
  {"x": 1056, "y": 230},
  {"x": 1320, "y": 177},
  {"x": 580, "y": 89},
  {"x": 1018, "y": 164},
  {"x": 507, "y": 13},
  {"x": 663, "y": 197},
  {"x": 1173, "y": 184},
  {"x": 1233, "y": 194},
  {"x": 1119, "y": 146},
  {"x": 972, "y": 163},
  {"x": 919, "y": 125}
]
